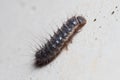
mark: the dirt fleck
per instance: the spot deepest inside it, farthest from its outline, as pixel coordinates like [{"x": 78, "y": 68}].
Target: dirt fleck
[
  {"x": 112, "y": 12},
  {"x": 94, "y": 20},
  {"x": 100, "y": 26},
  {"x": 96, "y": 38},
  {"x": 33, "y": 7}
]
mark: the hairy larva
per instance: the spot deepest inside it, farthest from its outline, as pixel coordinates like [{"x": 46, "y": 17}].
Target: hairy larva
[{"x": 58, "y": 41}]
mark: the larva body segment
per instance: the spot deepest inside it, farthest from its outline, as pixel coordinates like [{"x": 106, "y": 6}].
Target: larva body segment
[{"x": 58, "y": 41}]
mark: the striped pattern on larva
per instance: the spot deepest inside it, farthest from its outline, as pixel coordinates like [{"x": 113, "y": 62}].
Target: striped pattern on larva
[{"x": 58, "y": 41}]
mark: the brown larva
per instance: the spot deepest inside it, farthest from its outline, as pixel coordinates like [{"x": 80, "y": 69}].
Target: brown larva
[{"x": 59, "y": 41}]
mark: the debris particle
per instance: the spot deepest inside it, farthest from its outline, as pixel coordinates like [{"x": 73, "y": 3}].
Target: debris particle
[
  {"x": 94, "y": 20},
  {"x": 116, "y": 7},
  {"x": 100, "y": 26},
  {"x": 112, "y": 12},
  {"x": 33, "y": 7},
  {"x": 96, "y": 38}
]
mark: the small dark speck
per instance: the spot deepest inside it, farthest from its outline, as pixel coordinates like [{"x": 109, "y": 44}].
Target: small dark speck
[
  {"x": 22, "y": 4},
  {"x": 96, "y": 38},
  {"x": 94, "y": 20},
  {"x": 116, "y": 7},
  {"x": 33, "y": 8},
  {"x": 100, "y": 26},
  {"x": 112, "y": 12},
  {"x": 116, "y": 19}
]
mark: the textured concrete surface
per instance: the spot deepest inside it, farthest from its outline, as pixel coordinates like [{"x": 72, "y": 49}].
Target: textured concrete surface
[{"x": 93, "y": 55}]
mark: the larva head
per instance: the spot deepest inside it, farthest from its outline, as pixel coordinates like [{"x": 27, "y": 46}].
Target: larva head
[{"x": 81, "y": 20}]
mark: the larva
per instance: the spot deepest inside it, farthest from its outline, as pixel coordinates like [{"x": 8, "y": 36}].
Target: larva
[{"x": 59, "y": 41}]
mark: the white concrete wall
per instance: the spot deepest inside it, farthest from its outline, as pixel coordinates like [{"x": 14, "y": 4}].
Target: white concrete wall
[{"x": 93, "y": 55}]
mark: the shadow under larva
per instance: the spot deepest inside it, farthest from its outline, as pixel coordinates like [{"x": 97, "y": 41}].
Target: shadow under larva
[{"x": 53, "y": 47}]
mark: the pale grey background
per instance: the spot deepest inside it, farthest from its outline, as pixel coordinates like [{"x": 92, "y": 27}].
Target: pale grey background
[{"x": 93, "y": 55}]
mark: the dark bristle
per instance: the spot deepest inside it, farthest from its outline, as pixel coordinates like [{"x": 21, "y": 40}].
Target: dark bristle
[
  {"x": 47, "y": 48},
  {"x": 50, "y": 46},
  {"x": 65, "y": 31},
  {"x": 65, "y": 28}
]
